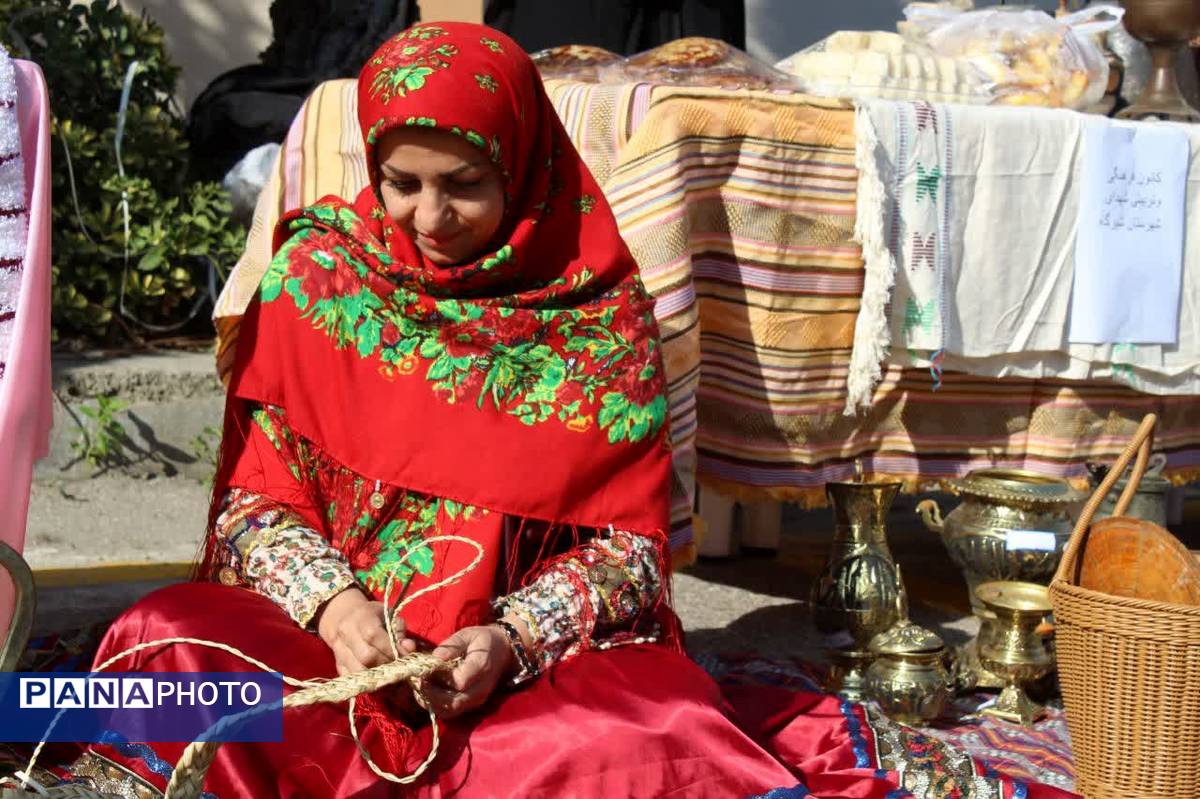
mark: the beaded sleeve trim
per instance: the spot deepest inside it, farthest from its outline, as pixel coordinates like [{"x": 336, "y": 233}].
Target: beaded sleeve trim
[{"x": 279, "y": 557}]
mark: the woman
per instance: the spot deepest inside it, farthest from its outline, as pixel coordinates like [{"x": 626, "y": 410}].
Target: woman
[{"x": 465, "y": 350}]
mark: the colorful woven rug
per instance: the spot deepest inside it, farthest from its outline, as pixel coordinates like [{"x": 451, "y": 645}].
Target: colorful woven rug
[{"x": 1041, "y": 753}]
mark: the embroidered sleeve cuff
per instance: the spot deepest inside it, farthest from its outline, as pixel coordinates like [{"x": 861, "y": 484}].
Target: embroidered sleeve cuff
[
  {"x": 304, "y": 607},
  {"x": 279, "y": 557},
  {"x": 596, "y": 595}
]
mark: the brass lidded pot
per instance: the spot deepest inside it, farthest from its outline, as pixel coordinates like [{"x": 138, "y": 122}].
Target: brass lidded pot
[
  {"x": 1011, "y": 525},
  {"x": 908, "y": 678}
]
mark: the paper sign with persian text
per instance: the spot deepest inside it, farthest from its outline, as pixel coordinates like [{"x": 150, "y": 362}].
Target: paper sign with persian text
[{"x": 1129, "y": 243}]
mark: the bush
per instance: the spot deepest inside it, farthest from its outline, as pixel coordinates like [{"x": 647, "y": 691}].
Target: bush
[{"x": 177, "y": 227}]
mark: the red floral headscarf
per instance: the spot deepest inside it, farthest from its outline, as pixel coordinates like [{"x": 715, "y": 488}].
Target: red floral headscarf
[{"x": 528, "y": 382}]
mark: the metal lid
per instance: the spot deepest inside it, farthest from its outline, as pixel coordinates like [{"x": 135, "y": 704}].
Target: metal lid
[
  {"x": 1149, "y": 484},
  {"x": 1018, "y": 487},
  {"x": 904, "y": 638}
]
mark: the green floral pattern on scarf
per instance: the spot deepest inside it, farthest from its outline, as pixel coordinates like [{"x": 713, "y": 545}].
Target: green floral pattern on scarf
[
  {"x": 409, "y": 74},
  {"x": 573, "y": 365}
]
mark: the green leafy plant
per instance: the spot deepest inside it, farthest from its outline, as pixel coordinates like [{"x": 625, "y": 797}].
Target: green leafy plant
[
  {"x": 102, "y": 440},
  {"x": 206, "y": 446},
  {"x": 178, "y": 228}
]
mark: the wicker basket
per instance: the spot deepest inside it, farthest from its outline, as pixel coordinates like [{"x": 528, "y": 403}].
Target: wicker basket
[{"x": 1130, "y": 672}]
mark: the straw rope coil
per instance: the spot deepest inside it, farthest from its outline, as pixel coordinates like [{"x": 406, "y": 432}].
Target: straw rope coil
[
  {"x": 1130, "y": 671},
  {"x": 187, "y": 780}
]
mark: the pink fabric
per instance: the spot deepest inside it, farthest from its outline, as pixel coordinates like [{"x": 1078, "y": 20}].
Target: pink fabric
[{"x": 25, "y": 399}]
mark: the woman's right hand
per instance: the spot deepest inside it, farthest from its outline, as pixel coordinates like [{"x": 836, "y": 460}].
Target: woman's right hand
[{"x": 353, "y": 627}]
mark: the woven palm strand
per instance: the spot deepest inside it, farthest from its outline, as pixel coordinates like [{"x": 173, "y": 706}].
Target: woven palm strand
[
  {"x": 187, "y": 780},
  {"x": 1130, "y": 671}
]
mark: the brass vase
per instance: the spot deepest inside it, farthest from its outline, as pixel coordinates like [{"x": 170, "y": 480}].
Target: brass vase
[
  {"x": 1015, "y": 646},
  {"x": 855, "y": 596},
  {"x": 1165, "y": 26}
]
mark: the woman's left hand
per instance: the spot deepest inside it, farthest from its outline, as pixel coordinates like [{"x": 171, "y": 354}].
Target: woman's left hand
[{"x": 486, "y": 658}]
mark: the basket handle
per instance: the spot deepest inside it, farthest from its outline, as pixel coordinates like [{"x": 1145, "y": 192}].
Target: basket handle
[{"x": 1140, "y": 447}]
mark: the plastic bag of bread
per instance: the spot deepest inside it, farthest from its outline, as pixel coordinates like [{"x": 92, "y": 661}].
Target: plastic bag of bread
[
  {"x": 574, "y": 62},
  {"x": 699, "y": 61},
  {"x": 867, "y": 64},
  {"x": 1025, "y": 56}
]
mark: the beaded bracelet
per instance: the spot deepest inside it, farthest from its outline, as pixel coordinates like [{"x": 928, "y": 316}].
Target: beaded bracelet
[{"x": 528, "y": 666}]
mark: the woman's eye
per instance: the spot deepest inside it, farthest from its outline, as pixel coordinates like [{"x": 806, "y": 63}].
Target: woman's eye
[
  {"x": 404, "y": 186},
  {"x": 468, "y": 184}
]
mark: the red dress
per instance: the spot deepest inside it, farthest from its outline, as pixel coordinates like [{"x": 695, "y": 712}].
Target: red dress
[{"x": 632, "y": 721}]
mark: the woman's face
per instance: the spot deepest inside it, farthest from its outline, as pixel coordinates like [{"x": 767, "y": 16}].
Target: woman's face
[{"x": 442, "y": 191}]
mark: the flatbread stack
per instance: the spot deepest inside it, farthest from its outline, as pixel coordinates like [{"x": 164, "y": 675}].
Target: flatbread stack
[
  {"x": 700, "y": 61},
  {"x": 574, "y": 61}
]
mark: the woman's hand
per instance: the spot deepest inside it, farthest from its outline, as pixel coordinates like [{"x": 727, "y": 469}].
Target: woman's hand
[
  {"x": 486, "y": 656},
  {"x": 353, "y": 627}
]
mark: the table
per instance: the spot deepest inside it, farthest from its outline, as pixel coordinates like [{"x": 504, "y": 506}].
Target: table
[{"x": 739, "y": 207}]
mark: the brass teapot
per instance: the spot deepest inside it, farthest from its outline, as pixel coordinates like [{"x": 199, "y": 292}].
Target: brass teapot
[{"x": 1011, "y": 525}]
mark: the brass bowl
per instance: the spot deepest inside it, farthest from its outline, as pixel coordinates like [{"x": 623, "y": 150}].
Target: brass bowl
[
  {"x": 1017, "y": 598},
  {"x": 1015, "y": 647}
]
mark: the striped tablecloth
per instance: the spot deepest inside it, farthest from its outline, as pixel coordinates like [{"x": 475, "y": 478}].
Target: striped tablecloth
[{"x": 740, "y": 208}]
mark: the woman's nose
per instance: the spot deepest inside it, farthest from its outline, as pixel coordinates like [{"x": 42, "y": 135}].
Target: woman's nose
[{"x": 433, "y": 212}]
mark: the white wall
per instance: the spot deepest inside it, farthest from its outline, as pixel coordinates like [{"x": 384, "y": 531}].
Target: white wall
[{"x": 208, "y": 37}]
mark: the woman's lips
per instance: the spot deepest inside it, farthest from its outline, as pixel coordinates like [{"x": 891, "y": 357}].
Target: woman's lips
[{"x": 437, "y": 242}]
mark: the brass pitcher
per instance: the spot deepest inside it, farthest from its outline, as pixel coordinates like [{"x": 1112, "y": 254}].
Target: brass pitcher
[{"x": 855, "y": 596}]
